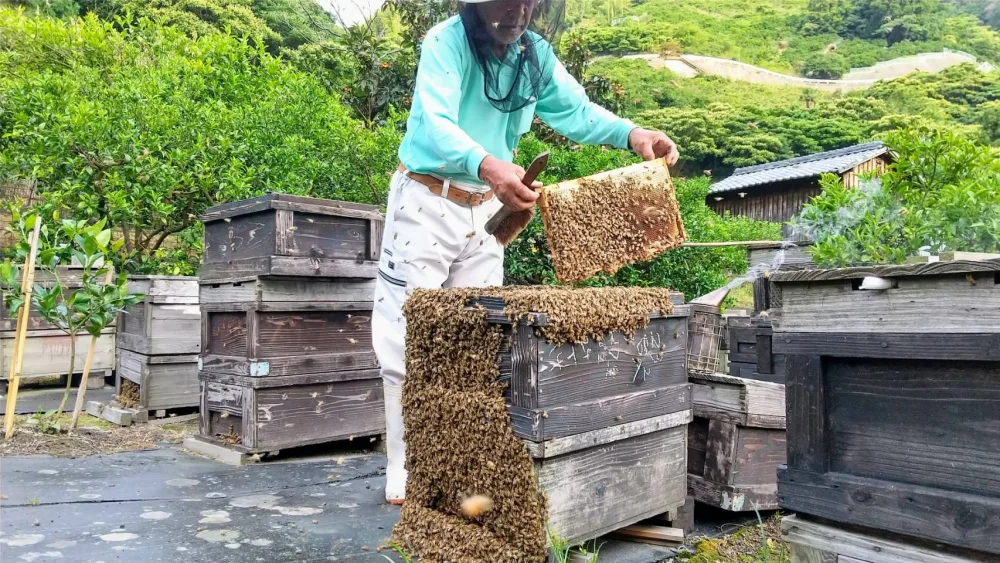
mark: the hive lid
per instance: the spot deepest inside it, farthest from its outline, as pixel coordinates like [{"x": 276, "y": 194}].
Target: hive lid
[
  {"x": 889, "y": 271},
  {"x": 293, "y": 203}
]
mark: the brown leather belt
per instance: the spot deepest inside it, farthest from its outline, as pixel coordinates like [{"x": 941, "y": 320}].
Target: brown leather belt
[{"x": 454, "y": 193}]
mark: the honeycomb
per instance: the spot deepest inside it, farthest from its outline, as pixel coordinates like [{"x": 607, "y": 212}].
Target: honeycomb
[
  {"x": 459, "y": 440},
  {"x": 603, "y": 222}
]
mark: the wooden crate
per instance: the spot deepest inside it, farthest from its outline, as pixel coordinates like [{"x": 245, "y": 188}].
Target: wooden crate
[
  {"x": 894, "y": 398},
  {"x": 261, "y": 339},
  {"x": 750, "y": 350},
  {"x": 47, "y": 353},
  {"x": 166, "y": 321},
  {"x": 279, "y": 289},
  {"x": 279, "y": 234},
  {"x": 736, "y": 442},
  {"x": 815, "y": 542},
  {"x": 274, "y": 413},
  {"x": 165, "y": 381},
  {"x": 69, "y": 276},
  {"x": 599, "y": 481},
  {"x": 561, "y": 390}
]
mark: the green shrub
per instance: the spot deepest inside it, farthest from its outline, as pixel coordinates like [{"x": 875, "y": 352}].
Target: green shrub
[
  {"x": 827, "y": 66},
  {"x": 147, "y": 127},
  {"x": 942, "y": 193}
]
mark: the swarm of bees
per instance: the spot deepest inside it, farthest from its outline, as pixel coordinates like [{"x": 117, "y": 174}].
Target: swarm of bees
[
  {"x": 607, "y": 222},
  {"x": 471, "y": 491}
]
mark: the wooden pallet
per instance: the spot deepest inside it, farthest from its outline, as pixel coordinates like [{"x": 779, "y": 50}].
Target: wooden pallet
[
  {"x": 814, "y": 542},
  {"x": 263, "y": 414},
  {"x": 891, "y": 394},
  {"x": 736, "y": 442}
]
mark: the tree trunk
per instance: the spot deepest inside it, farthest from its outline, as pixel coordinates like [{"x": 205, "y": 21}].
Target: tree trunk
[{"x": 69, "y": 376}]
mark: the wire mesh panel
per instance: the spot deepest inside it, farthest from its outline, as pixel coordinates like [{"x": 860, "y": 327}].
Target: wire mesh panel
[{"x": 705, "y": 329}]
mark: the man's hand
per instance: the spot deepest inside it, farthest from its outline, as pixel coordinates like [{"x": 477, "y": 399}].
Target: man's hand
[
  {"x": 652, "y": 144},
  {"x": 505, "y": 179}
]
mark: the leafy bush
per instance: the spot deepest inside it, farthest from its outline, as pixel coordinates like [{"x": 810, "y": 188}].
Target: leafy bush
[
  {"x": 693, "y": 271},
  {"x": 942, "y": 193},
  {"x": 147, "y": 127},
  {"x": 827, "y": 66}
]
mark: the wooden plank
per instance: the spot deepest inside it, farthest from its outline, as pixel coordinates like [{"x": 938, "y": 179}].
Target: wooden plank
[
  {"x": 931, "y": 513},
  {"x": 984, "y": 347},
  {"x": 290, "y": 306},
  {"x": 371, "y": 213},
  {"x": 305, "y": 414},
  {"x": 283, "y": 334},
  {"x": 597, "y": 490},
  {"x": 734, "y": 498},
  {"x": 284, "y": 232},
  {"x": 289, "y": 366},
  {"x": 283, "y": 290},
  {"x": 646, "y": 533},
  {"x": 806, "y": 409},
  {"x": 561, "y": 446},
  {"x": 654, "y": 356},
  {"x": 720, "y": 452},
  {"x": 47, "y": 353},
  {"x": 236, "y": 208},
  {"x": 743, "y": 401},
  {"x": 290, "y": 380},
  {"x": 882, "y": 411},
  {"x": 323, "y": 236},
  {"x": 244, "y": 236},
  {"x": 866, "y": 547},
  {"x": 227, "y": 334},
  {"x": 523, "y": 361},
  {"x": 375, "y": 233},
  {"x": 889, "y": 271},
  {"x": 764, "y": 358},
  {"x": 248, "y": 268},
  {"x": 697, "y": 440},
  {"x": 222, "y": 397},
  {"x": 956, "y": 304},
  {"x": 566, "y": 420},
  {"x": 757, "y": 455}
]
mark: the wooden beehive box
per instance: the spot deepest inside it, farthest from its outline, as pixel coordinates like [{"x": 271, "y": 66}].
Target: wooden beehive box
[
  {"x": 751, "y": 352},
  {"x": 736, "y": 442},
  {"x": 893, "y": 399},
  {"x": 280, "y": 234},
  {"x": 264, "y": 414},
  {"x": 165, "y": 381},
  {"x": 809, "y": 541},
  {"x": 605, "y": 422},
  {"x": 283, "y": 326},
  {"x": 47, "y": 353},
  {"x": 166, "y": 321}
]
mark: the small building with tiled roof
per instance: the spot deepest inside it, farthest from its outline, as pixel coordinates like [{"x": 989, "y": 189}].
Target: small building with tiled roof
[{"x": 776, "y": 191}]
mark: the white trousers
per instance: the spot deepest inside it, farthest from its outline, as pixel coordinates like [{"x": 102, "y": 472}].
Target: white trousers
[{"x": 429, "y": 242}]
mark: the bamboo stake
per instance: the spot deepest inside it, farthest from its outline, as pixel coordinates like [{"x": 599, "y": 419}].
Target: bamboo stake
[
  {"x": 82, "y": 391},
  {"x": 21, "y": 335},
  {"x": 727, "y": 243}
]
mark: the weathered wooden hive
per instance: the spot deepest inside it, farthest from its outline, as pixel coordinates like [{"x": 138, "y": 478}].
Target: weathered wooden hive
[
  {"x": 605, "y": 422},
  {"x": 159, "y": 341},
  {"x": 286, "y": 298},
  {"x": 751, "y": 354},
  {"x": 48, "y": 347},
  {"x": 893, "y": 400},
  {"x": 736, "y": 441}
]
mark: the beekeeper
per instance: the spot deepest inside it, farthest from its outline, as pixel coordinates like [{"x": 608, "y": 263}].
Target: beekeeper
[{"x": 481, "y": 79}]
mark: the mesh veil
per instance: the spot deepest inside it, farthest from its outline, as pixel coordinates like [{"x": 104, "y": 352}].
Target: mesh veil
[{"x": 530, "y": 63}]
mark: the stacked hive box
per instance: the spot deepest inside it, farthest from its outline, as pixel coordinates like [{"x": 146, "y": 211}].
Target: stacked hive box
[
  {"x": 158, "y": 342},
  {"x": 605, "y": 422},
  {"x": 893, "y": 400},
  {"x": 750, "y": 351},
  {"x": 736, "y": 441},
  {"x": 286, "y": 298},
  {"x": 47, "y": 348}
]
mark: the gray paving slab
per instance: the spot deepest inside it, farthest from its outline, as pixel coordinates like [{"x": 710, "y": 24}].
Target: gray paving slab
[{"x": 168, "y": 505}]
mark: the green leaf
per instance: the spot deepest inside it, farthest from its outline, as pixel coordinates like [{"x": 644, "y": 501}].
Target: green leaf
[{"x": 103, "y": 238}]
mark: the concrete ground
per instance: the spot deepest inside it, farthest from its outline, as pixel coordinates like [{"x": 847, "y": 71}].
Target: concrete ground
[
  {"x": 31, "y": 400},
  {"x": 168, "y": 505}
]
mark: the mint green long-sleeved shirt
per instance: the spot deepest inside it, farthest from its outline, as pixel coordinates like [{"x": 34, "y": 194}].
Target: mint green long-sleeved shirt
[{"x": 452, "y": 126}]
